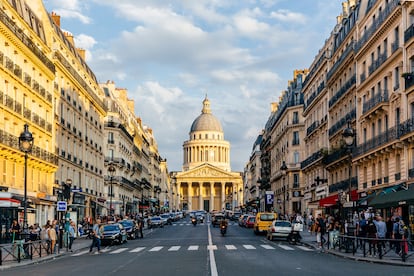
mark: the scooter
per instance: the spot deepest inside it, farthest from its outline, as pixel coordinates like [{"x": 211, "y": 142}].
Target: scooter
[
  {"x": 194, "y": 221},
  {"x": 294, "y": 236},
  {"x": 223, "y": 230}
]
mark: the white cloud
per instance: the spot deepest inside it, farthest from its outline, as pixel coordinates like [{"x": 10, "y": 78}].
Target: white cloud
[{"x": 289, "y": 17}]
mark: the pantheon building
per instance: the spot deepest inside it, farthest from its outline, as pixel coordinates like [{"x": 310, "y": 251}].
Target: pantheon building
[{"x": 206, "y": 181}]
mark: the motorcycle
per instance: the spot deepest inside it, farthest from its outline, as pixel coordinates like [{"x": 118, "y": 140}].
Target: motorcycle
[
  {"x": 294, "y": 236},
  {"x": 194, "y": 221},
  {"x": 223, "y": 230}
]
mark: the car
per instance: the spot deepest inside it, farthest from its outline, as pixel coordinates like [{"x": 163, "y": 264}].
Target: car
[
  {"x": 242, "y": 219},
  {"x": 112, "y": 233},
  {"x": 200, "y": 216},
  {"x": 131, "y": 227},
  {"x": 263, "y": 221},
  {"x": 166, "y": 219},
  {"x": 249, "y": 223},
  {"x": 216, "y": 219},
  {"x": 236, "y": 216},
  {"x": 279, "y": 229},
  {"x": 154, "y": 222}
]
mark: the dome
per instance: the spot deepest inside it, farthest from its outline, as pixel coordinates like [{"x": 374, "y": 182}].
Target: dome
[{"x": 206, "y": 121}]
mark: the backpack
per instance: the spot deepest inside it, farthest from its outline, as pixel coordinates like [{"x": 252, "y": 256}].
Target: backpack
[{"x": 401, "y": 229}]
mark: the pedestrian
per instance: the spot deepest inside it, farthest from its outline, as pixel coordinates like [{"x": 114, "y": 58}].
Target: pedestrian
[
  {"x": 381, "y": 234},
  {"x": 361, "y": 230},
  {"x": 397, "y": 235},
  {"x": 15, "y": 230},
  {"x": 71, "y": 234},
  {"x": 96, "y": 237},
  {"x": 53, "y": 237},
  {"x": 141, "y": 226},
  {"x": 320, "y": 230},
  {"x": 372, "y": 236}
]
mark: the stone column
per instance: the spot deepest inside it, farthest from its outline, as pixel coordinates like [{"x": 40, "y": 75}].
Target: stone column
[
  {"x": 190, "y": 200},
  {"x": 212, "y": 196},
  {"x": 200, "y": 196},
  {"x": 178, "y": 198},
  {"x": 223, "y": 195}
]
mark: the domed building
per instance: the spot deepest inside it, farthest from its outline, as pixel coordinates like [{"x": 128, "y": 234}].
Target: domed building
[{"x": 207, "y": 182}]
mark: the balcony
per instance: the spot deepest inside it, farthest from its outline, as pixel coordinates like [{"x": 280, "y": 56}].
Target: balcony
[
  {"x": 311, "y": 159},
  {"x": 377, "y": 100},
  {"x": 312, "y": 128},
  {"x": 342, "y": 91},
  {"x": 342, "y": 122},
  {"x": 382, "y": 139}
]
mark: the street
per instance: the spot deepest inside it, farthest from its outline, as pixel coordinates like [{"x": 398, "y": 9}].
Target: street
[{"x": 182, "y": 249}]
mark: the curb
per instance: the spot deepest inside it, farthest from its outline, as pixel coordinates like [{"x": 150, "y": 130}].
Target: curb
[{"x": 358, "y": 258}]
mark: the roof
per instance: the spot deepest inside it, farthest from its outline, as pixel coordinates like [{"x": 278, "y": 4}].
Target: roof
[{"x": 206, "y": 121}]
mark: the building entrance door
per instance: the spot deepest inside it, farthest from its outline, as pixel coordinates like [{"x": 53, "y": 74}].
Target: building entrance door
[{"x": 207, "y": 205}]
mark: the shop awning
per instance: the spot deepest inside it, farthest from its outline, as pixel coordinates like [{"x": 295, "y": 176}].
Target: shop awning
[
  {"x": 328, "y": 201},
  {"x": 393, "y": 199}
]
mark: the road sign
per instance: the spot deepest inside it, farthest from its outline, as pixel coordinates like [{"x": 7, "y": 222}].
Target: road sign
[{"x": 61, "y": 206}]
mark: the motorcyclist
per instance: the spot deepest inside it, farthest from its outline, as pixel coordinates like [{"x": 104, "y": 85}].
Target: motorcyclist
[{"x": 224, "y": 223}]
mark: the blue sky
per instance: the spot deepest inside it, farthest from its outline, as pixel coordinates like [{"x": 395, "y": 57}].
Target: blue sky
[{"x": 170, "y": 54}]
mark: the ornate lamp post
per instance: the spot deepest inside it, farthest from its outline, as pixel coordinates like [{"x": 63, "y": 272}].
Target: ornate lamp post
[
  {"x": 25, "y": 145},
  {"x": 111, "y": 171},
  {"x": 348, "y": 135},
  {"x": 283, "y": 169}
]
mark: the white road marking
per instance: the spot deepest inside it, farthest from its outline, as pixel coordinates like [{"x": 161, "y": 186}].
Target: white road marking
[
  {"x": 211, "y": 247},
  {"x": 248, "y": 246},
  {"x": 106, "y": 249},
  {"x": 174, "y": 248},
  {"x": 230, "y": 247},
  {"x": 80, "y": 253},
  {"x": 193, "y": 247},
  {"x": 304, "y": 248},
  {"x": 119, "y": 250},
  {"x": 266, "y": 246},
  {"x": 285, "y": 247},
  {"x": 138, "y": 249},
  {"x": 156, "y": 248},
  {"x": 213, "y": 266}
]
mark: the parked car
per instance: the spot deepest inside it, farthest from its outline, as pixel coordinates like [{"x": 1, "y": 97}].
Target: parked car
[
  {"x": 279, "y": 229},
  {"x": 216, "y": 219},
  {"x": 166, "y": 219},
  {"x": 131, "y": 227},
  {"x": 113, "y": 233},
  {"x": 249, "y": 222},
  {"x": 154, "y": 222},
  {"x": 263, "y": 221}
]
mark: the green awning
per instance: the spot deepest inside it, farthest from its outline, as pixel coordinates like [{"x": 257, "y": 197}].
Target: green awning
[{"x": 394, "y": 199}]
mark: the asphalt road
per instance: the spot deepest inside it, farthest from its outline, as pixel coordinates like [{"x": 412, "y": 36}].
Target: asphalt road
[{"x": 182, "y": 249}]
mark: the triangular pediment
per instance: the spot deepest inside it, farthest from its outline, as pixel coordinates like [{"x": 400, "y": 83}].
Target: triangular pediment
[{"x": 205, "y": 171}]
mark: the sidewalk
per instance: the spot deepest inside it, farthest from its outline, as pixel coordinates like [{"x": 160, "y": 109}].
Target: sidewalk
[
  {"x": 78, "y": 244},
  {"x": 390, "y": 258}
]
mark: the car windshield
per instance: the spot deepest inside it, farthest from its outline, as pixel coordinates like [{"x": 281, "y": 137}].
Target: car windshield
[
  {"x": 110, "y": 228},
  {"x": 283, "y": 224},
  {"x": 267, "y": 217}
]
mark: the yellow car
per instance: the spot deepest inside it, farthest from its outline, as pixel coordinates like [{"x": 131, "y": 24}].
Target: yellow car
[{"x": 263, "y": 221}]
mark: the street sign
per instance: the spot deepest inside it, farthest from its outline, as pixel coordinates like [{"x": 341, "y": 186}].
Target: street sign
[{"x": 61, "y": 206}]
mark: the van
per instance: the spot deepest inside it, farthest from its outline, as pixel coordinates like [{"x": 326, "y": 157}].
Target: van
[{"x": 263, "y": 221}]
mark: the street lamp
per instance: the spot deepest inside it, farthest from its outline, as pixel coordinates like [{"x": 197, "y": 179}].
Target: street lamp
[
  {"x": 283, "y": 169},
  {"x": 111, "y": 171},
  {"x": 158, "y": 190},
  {"x": 25, "y": 145},
  {"x": 348, "y": 135}
]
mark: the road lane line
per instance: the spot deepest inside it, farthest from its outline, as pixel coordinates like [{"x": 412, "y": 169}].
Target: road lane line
[
  {"x": 80, "y": 253},
  {"x": 174, "y": 248},
  {"x": 106, "y": 249},
  {"x": 156, "y": 248},
  {"x": 193, "y": 247},
  {"x": 138, "y": 249},
  {"x": 266, "y": 246},
  {"x": 230, "y": 247},
  {"x": 213, "y": 266},
  {"x": 285, "y": 247},
  {"x": 211, "y": 247},
  {"x": 304, "y": 248},
  {"x": 248, "y": 246},
  {"x": 119, "y": 250}
]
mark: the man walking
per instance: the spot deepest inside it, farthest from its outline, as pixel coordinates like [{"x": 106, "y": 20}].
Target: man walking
[
  {"x": 96, "y": 237},
  {"x": 141, "y": 226}
]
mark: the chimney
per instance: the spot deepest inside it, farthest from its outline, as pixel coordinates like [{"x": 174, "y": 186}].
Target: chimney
[
  {"x": 345, "y": 8},
  {"x": 339, "y": 19},
  {"x": 69, "y": 37},
  {"x": 81, "y": 52},
  {"x": 56, "y": 19}
]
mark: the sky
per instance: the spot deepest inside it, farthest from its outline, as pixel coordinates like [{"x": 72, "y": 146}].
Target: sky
[{"x": 171, "y": 54}]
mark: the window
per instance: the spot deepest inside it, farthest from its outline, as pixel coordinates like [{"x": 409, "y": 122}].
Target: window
[
  {"x": 295, "y": 180},
  {"x": 295, "y": 138},
  {"x": 295, "y": 119},
  {"x": 296, "y": 157},
  {"x": 111, "y": 138},
  {"x": 396, "y": 78}
]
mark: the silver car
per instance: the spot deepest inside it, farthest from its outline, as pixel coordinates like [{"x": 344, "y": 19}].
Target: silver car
[{"x": 279, "y": 229}]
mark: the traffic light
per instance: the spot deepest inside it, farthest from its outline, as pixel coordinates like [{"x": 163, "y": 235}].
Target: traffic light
[{"x": 66, "y": 191}]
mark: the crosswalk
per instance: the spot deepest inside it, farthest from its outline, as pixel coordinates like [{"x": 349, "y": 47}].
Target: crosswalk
[
  {"x": 175, "y": 248},
  {"x": 200, "y": 223}
]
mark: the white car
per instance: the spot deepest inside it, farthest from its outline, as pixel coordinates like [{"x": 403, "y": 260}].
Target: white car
[{"x": 279, "y": 229}]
